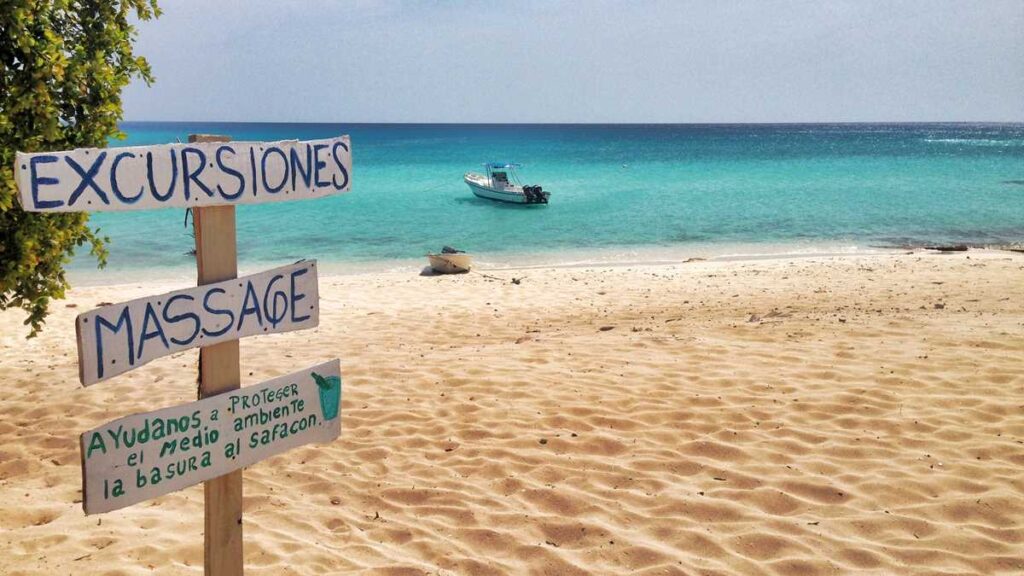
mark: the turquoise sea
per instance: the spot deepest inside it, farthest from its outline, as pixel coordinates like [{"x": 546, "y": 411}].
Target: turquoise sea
[{"x": 619, "y": 193}]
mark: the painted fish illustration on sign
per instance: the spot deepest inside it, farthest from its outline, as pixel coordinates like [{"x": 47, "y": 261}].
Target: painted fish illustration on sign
[{"x": 330, "y": 395}]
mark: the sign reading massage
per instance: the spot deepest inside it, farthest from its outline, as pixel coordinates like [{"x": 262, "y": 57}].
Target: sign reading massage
[
  {"x": 146, "y": 455},
  {"x": 182, "y": 175},
  {"x": 120, "y": 337}
]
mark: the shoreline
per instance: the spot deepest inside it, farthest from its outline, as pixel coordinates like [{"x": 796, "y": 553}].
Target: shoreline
[{"x": 554, "y": 260}]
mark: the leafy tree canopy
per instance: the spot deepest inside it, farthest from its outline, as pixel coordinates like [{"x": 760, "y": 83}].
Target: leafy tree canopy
[{"x": 64, "y": 63}]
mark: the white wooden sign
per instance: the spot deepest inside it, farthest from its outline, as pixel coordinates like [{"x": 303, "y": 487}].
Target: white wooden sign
[
  {"x": 146, "y": 455},
  {"x": 182, "y": 175},
  {"x": 120, "y": 337}
]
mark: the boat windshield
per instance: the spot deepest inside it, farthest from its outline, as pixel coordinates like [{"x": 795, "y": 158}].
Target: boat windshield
[{"x": 503, "y": 173}]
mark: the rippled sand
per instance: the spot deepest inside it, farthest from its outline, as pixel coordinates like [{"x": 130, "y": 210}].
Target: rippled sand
[{"x": 808, "y": 416}]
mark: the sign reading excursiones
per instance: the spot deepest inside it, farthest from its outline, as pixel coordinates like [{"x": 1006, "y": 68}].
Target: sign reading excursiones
[{"x": 182, "y": 175}]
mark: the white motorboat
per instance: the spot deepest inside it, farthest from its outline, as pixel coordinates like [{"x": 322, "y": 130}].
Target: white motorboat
[{"x": 501, "y": 183}]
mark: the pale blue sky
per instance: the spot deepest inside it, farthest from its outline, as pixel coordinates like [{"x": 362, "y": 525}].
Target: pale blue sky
[{"x": 583, "y": 61}]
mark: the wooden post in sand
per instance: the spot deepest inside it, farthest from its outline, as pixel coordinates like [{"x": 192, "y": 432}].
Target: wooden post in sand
[
  {"x": 201, "y": 441},
  {"x": 219, "y": 371}
]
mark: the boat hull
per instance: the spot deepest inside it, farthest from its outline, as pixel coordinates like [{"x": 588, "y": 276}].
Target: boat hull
[
  {"x": 450, "y": 263},
  {"x": 510, "y": 196}
]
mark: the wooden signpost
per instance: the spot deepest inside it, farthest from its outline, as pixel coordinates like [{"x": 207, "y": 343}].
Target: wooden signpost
[
  {"x": 219, "y": 372},
  {"x": 146, "y": 455}
]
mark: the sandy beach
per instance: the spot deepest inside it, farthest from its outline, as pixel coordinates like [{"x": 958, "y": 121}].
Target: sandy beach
[{"x": 857, "y": 414}]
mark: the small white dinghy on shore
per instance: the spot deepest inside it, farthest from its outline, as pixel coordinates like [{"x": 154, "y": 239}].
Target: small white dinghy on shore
[{"x": 450, "y": 261}]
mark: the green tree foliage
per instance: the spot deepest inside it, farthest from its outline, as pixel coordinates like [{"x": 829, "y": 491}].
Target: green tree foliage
[{"x": 64, "y": 63}]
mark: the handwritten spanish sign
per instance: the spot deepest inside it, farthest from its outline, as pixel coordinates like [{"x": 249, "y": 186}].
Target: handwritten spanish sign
[
  {"x": 182, "y": 175},
  {"x": 146, "y": 455},
  {"x": 120, "y": 337}
]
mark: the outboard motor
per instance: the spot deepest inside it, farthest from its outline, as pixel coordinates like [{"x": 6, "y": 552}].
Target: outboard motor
[
  {"x": 539, "y": 191},
  {"x": 528, "y": 192}
]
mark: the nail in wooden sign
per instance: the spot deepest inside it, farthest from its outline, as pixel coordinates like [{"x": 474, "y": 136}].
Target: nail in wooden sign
[
  {"x": 182, "y": 175},
  {"x": 143, "y": 456},
  {"x": 120, "y": 337}
]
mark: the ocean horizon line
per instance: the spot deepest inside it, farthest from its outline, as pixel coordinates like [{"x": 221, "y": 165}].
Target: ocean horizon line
[{"x": 572, "y": 124}]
